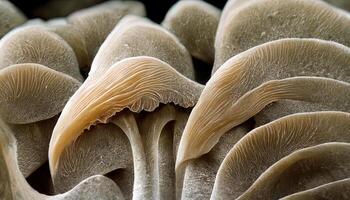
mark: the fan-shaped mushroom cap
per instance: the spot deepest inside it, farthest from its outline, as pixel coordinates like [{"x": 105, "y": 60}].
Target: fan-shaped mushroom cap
[
  {"x": 142, "y": 84},
  {"x": 304, "y": 169},
  {"x": 258, "y": 21},
  {"x": 37, "y": 45},
  {"x": 194, "y": 23},
  {"x": 339, "y": 190},
  {"x": 97, "y": 22},
  {"x": 14, "y": 186},
  {"x": 264, "y": 146},
  {"x": 136, "y": 36},
  {"x": 212, "y": 116},
  {"x": 32, "y": 92},
  {"x": 100, "y": 150},
  {"x": 10, "y": 17}
]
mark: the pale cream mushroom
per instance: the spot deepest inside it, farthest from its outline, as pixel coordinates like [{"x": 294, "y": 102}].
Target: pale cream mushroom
[
  {"x": 95, "y": 23},
  {"x": 213, "y": 116},
  {"x": 244, "y": 25},
  {"x": 136, "y": 36},
  {"x": 10, "y": 17},
  {"x": 302, "y": 170},
  {"x": 37, "y": 45},
  {"x": 13, "y": 185},
  {"x": 194, "y": 23},
  {"x": 143, "y": 84},
  {"x": 264, "y": 146},
  {"x": 339, "y": 190}
]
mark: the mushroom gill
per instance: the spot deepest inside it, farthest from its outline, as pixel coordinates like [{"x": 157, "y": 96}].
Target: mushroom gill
[
  {"x": 37, "y": 45},
  {"x": 136, "y": 36},
  {"x": 95, "y": 23},
  {"x": 10, "y": 17},
  {"x": 244, "y": 25},
  {"x": 14, "y": 186},
  {"x": 32, "y": 92},
  {"x": 339, "y": 190},
  {"x": 143, "y": 83},
  {"x": 301, "y": 170},
  {"x": 213, "y": 116},
  {"x": 264, "y": 146},
  {"x": 195, "y": 24}
]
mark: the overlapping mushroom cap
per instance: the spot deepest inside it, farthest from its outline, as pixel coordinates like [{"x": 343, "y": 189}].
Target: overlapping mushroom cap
[{"x": 219, "y": 108}]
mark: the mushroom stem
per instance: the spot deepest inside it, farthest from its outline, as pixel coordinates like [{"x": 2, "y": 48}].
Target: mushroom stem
[
  {"x": 153, "y": 127},
  {"x": 142, "y": 181}
]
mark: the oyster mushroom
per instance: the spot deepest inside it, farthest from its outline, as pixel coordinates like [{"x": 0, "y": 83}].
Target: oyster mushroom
[
  {"x": 264, "y": 146},
  {"x": 10, "y": 17},
  {"x": 136, "y": 36},
  {"x": 301, "y": 170},
  {"x": 244, "y": 25},
  {"x": 334, "y": 190},
  {"x": 14, "y": 186},
  {"x": 143, "y": 84},
  {"x": 97, "y": 22},
  {"x": 195, "y": 24},
  {"x": 212, "y": 116}
]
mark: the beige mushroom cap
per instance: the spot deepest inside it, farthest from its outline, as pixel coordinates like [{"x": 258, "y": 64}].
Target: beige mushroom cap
[
  {"x": 32, "y": 92},
  {"x": 194, "y": 23},
  {"x": 37, "y": 45},
  {"x": 143, "y": 83},
  {"x": 10, "y": 17},
  {"x": 212, "y": 116}
]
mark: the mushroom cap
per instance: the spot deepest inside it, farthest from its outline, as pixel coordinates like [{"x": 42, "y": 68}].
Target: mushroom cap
[
  {"x": 136, "y": 36},
  {"x": 10, "y": 17},
  {"x": 195, "y": 24},
  {"x": 37, "y": 45},
  {"x": 95, "y": 23},
  {"x": 142, "y": 84},
  {"x": 32, "y": 92},
  {"x": 244, "y": 25},
  {"x": 212, "y": 116},
  {"x": 102, "y": 149},
  {"x": 301, "y": 170},
  {"x": 14, "y": 185},
  {"x": 335, "y": 190},
  {"x": 264, "y": 146}
]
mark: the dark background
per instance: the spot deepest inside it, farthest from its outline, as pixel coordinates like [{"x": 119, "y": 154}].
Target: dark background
[{"x": 156, "y": 9}]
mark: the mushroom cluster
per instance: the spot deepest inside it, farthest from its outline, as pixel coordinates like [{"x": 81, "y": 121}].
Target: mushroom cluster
[{"x": 117, "y": 105}]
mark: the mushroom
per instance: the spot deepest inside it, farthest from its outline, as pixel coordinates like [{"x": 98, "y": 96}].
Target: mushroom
[
  {"x": 244, "y": 25},
  {"x": 219, "y": 109},
  {"x": 143, "y": 84},
  {"x": 10, "y": 17},
  {"x": 301, "y": 170},
  {"x": 195, "y": 24},
  {"x": 14, "y": 186},
  {"x": 136, "y": 36},
  {"x": 97, "y": 22},
  {"x": 334, "y": 190},
  {"x": 265, "y": 145}
]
